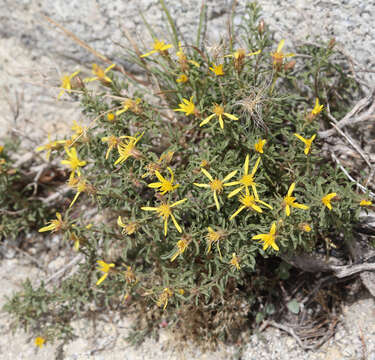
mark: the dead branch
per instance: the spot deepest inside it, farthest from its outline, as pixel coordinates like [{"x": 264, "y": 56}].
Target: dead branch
[
  {"x": 363, "y": 188},
  {"x": 350, "y": 119},
  {"x": 349, "y": 270},
  {"x": 61, "y": 272}
]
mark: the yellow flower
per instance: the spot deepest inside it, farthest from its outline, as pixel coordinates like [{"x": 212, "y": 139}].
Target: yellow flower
[
  {"x": 215, "y": 236},
  {"x": 126, "y": 150},
  {"x": 129, "y": 275},
  {"x": 279, "y": 56},
  {"x": 81, "y": 186},
  {"x": 73, "y": 161},
  {"x": 182, "y": 78},
  {"x": 268, "y": 239},
  {"x": 317, "y": 108},
  {"x": 240, "y": 54},
  {"x": 246, "y": 180},
  {"x": 76, "y": 240},
  {"x": 248, "y": 201},
  {"x": 1, "y": 148},
  {"x": 164, "y": 297},
  {"x": 54, "y": 225},
  {"x": 259, "y": 146},
  {"x": 65, "y": 83},
  {"x": 234, "y": 262},
  {"x": 326, "y": 200},
  {"x": 289, "y": 201},
  {"x": 159, "y": 47},
  {"x": 183, "y": 59},
  {"x": 105, "y": 268},
  {"x": 164, "y": 210},
  {"x": 306, "y": 141},
  {"x": 187, "y": 106},
  {"x": 129, "y": 228},
  {"x": 130, "y": 104},
  {"x": 78, "y": 130},
  {"x": 100, "y": 74},
  {"x": 216, "y": 185},
  {"x": 365, "y": 203},
  {"x": 39, "y": 341},
  {"x": 181, "y": 247},
  {"x": 166, "y": 157},
  {"x": 113, "y": 141},
  {"x": 219, "y": 112},
  {"x": 111, "y": 116},
  {"x": 305, "y": 227},
  {"x": 164, "y": 184},
  {"x": 217, "y": 69},
  {"x": 51, "y": 145}
]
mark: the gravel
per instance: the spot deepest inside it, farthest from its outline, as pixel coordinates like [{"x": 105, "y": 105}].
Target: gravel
[{"x": 34, "y": 54}]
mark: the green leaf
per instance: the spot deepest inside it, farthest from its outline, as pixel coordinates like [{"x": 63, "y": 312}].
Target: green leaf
[{"x": 293, "y": 306}]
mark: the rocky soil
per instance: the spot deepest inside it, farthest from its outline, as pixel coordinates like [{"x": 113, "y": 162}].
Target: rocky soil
[{"x": 34, "y": 54}]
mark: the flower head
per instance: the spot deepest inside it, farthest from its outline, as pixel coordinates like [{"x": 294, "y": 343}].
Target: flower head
[
  {"x": 81, "y": 185},
  {"x": 182, "y": 79},
  {"x": 111, "y": 116},
  {"x": 234, "y": 261},
  {"x": 129, "y": 228},
  {"x": 105, "y": 268},
  {"x": 365, "y": 202},
  {"x": 132, "y": 105},
  {"x": 289, "y": 201},
  {"x": 326, "y": 200},
  {"x": 127, "y": 150},
  {"x": 239, "y": 56},
  {"x": 241, "y": 53},
  {"x": 249, "y": 202},
  {"x": 39, "y": 341},
  {"x": 181, "y": 247},
  {"x": 51, "y": 145},
  {"x": 164, "y": 297},
  {"x": 317, "y": 108},
  {"x": 217, "y": 69},
  {"x": 183, "y": 60},
  {"x": 307, "y": 142},
  {"x": 216, "y": 185},
  {"x": 268, "y": 239},
  {"x": 305, "y": 227},
  {"x": 218, "y": 111},
  {"x": 129, "y": 275},
  {"x": 215, "y": 237},
  {"x": 159, "y": 47},
  {"x": 54, "y": 225},
  {"x": 259, "y": 145},
  {"x": 66, "y": 83},
  {"x": 113, "y": 141},
  {"x": 187, "y": 106},
  {"x": 278, "y": 56},
  {"x": 164, "y": 184},
  {"x": 78, "y": 130},
  {"x": 76, "y": 241},
  {"x": 246, "y": 180},
  {"x": 73, "y": 161},
  {"x": 165, "y": 211},
  {"x": 100, "y": 74}
]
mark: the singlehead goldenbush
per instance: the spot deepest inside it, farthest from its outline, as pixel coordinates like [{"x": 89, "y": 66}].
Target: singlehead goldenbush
[{"x": 205, "y": 173}]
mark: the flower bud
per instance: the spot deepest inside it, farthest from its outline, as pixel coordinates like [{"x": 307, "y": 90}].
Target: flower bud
[
  {"x": 261, "y": 27},
  {"x": 331, "y": 43},
  {"x": 289, "y": 65}
]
